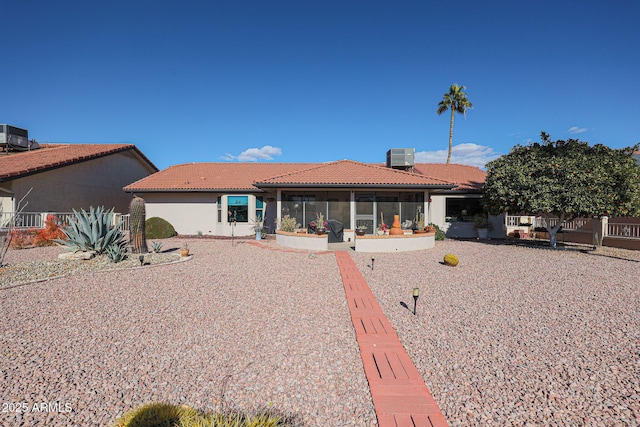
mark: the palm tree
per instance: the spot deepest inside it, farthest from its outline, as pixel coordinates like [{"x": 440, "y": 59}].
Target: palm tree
[{"x": 457, "y": 101}]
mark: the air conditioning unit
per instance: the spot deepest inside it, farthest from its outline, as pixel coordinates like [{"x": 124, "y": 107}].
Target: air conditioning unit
[{"x": 401, "y": 158}]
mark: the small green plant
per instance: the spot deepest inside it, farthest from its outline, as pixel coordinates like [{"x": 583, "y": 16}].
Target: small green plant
[
  {"x": 117, "y": 253},
  {"x": 185, "y": 246},
  {"x": 288, "y": 224},
  {"x": 199, "y": 233},
  {"x": 156, "y": 246},
  {"x": 92, "y": 231},
  {"x": 451, "y": 260},
  {"x": 159, "y": 228},
  {"x": 439, "y": 233},
  {"x": 482, "y": 221}
]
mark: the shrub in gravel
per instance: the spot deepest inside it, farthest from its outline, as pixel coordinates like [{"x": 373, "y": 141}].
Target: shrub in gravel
[
  {"x": 158, "y": 228},
  {"x": 92, "y": 231},
  {"x": 164, "y": 414},
  {"x": 439, "y": 233},
  {"x": 451, "y": 260}
]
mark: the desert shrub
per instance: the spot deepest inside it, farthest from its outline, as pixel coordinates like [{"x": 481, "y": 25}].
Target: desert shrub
[
  {"x": 158, "y": 228},
  {"x": 92, "y": 231},
  {"x": 52, "y": 231},
  {"x": 30, "y": 237},
  {"x": 164, "y": 414},
  {"x": 288, "y": 224},
  {"x": 21, "y": 239},
  {"x": 451, "y": 260},
  {"x": 439, "y": 233}
]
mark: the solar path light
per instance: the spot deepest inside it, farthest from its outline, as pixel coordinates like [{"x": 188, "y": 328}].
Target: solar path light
[{"x": 416, "y": 294}]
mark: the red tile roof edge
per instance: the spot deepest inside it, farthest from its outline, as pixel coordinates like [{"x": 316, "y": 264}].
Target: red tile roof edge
[
  {"x": 371, "y": 165},
  {"x": 115, "y": 148}
]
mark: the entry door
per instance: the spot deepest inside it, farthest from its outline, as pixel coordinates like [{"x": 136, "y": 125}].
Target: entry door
[{"x": 365, "y": 212}]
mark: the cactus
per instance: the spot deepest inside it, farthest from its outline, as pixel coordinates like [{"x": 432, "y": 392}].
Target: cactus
[
  {"x": 451, "y": 260},
  {"x": 137, "y": 226}
]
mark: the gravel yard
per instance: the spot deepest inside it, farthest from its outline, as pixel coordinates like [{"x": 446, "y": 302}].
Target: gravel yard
[
  {"x": 512, "y": 336},
  {"x": 517, "y": 336},
  {"x": 243, "y": 327}
]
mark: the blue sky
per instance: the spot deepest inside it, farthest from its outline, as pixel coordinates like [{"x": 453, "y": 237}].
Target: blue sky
[{"x": 314, "y": 81}]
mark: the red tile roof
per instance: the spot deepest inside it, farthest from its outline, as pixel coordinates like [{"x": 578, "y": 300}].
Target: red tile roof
[
  {"x": 464, "y": 176},
  {"x": 50, "y": 156},
  {"x": 231, "y": 176},
  {"x": 347, "y": 173},
  {"x": 212, "y": 176}
]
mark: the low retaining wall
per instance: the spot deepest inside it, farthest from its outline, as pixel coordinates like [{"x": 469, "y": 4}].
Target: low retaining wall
[
  {"x": 407, "y": 242},
  {"x": 310, "y": 242}
]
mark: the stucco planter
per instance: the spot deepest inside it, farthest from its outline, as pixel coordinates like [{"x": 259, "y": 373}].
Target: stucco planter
[
  {"x": 310, "y": 242},
  {"x": 400, "y": 243}
]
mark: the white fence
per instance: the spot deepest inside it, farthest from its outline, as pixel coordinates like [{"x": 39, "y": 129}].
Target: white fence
[
  {"x": 619, "y": 229},
  {"x": 26, "y": 220}
]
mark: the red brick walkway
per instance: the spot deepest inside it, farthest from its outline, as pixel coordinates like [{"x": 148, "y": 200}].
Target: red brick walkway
[{"x": 400, "y": 396}]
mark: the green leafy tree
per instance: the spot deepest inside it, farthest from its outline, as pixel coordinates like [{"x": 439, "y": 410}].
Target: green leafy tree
[
  {"x": 564, "y": 179},
  {"x": 455, "y": 100}
]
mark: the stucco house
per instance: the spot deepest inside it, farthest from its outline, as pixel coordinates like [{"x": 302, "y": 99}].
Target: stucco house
[
  {"x": 228, "y": 198},
  {"x": 71, "y": 176}
]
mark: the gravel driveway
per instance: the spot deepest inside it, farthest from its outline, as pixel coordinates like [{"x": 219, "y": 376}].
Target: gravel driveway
[
  {"x": 513, "y": 336},
  {"x": 241, "y": 327}
]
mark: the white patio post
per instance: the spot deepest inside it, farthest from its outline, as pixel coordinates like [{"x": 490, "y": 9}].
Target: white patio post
[
  {"x": 278, "y": 207},
  {"x": 352, "y": 210},
  {"x": 599, "y": 227}
]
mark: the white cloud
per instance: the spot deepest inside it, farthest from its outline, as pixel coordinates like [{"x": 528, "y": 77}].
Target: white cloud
[
  {"x": 574, "y": 130},
  {"x": 254, "y": 154},
  {"x": 466, "y": 154}
]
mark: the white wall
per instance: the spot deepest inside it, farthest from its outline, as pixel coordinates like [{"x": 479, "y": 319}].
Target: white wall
[
  {"x": 187, "y": 212},
  {"x": 190, "y": 213}
]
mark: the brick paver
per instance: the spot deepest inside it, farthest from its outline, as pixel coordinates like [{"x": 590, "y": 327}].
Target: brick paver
[{"x": 400, "y": 396}]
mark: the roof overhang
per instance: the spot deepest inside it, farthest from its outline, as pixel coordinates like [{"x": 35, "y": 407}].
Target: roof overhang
[{"x": 370, "y": 186}]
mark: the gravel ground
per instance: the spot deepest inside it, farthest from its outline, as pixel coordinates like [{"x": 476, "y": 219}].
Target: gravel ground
[
  {"x": 517, "y": 336},
  {"x": 236, "y": 327},
  {"x": 28, "y": 265},
  {"x": 513, "y": 336}
]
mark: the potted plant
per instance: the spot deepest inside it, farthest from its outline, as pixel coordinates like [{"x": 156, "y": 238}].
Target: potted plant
[
  {"x": 184, "y": 252},
  {"x": 288, "y": 224},
  {"x": 361, "y": 230},
  {"x": 483, "y": 225},
  {"x": 258, "y": 228},
  {"x": 383, "y": 229},
  {"x": 319, "y": 224}
]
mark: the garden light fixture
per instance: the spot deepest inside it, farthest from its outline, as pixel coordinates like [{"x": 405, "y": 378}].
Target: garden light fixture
[
  {"x": 373, "y": 259},
  {"x": 141, "y": 258},
  {"x": 416, "y": 294}
]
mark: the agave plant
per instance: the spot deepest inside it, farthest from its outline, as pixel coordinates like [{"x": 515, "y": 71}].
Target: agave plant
[{"x": 92, "y": 231}]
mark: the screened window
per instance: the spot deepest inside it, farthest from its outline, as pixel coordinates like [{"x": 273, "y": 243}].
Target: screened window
[
  {"x": 238, "y": 208},
  {"x": 259, "y": 208}
]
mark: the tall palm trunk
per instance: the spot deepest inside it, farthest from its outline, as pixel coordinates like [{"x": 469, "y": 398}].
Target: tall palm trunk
[{"x": 453, "y": 110}]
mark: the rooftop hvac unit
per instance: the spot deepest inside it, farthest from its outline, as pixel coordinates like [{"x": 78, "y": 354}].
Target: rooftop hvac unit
[
  {"x": 400, "y": 158},
  {"x": 13, "y": 138}
]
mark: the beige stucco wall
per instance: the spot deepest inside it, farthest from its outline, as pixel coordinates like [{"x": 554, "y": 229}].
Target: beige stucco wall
[
  {"x": 96, "y": 182},
  {"x": 190, "y": 213},
  {"x": 187, "y": 212}
]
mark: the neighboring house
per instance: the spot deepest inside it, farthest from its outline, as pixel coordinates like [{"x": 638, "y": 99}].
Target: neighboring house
[
  {"x": 207, "y": 197},
  {"x": 637, "y": 156},
  {"x": 71, "y": 176}
]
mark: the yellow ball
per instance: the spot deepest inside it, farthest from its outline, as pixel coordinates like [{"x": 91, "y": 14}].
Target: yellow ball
[{"x": 451, "y": 260}]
